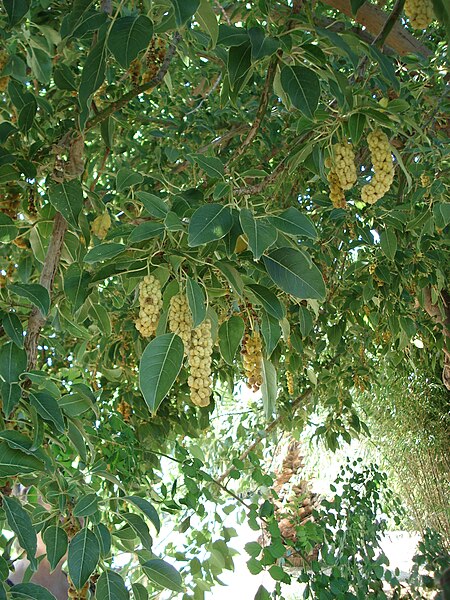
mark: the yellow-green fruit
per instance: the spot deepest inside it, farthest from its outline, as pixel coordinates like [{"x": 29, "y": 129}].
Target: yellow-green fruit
[
  {"x": 290, "y": 383},
  {"x": 383, "y": 166},
  {"x": 342, "y": 175},
  {"x": 425, "y": 180},
  {"x": 150, "y": 301},
  {"x": 199, "y": 359},
  {"x": 180, "y": 319},
  {"x": 252, "y": 360},
  {"x": 419, "y": 12}
]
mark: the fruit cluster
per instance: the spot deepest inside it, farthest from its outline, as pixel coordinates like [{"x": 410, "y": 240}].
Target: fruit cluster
[
  {"x": 180, "y": 319},
  {"x": 4, "y": 57},
  {"x": 199, "y": 358},
  {"x": 342, "y": 175},
  {"x": 150, "y": 301},
  {"x": 425, "y": 180},
  {"x": 154, "y": 58},
  {"x": 252, "y": 360},
  {"x": 383, "y": 166},
  {"x": 419, "y": 12},
  {"x": 290, "y": 383}
]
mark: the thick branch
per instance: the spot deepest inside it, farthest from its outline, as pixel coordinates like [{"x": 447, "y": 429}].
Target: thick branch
[
  {"x": 435, "y": 313},
  {"x": 140, "y": 89},
  {"x": 37, "y": 319},
  {"x": 389, "y": 24},
  {"x": 374, "y": 19},
  {"x": 272, "y": 425}
]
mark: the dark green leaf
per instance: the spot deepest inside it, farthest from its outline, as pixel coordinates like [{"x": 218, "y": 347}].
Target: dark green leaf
[
  {"x": 74, "y": 404},
  {"x": 231, "y": 333},
  {"x": 271, "y": 332},
  {"x": 356, "y": 5},
  {"x": 207, "y": 19},
  {"x": 13, "y": 362},
  {"x": 262, "y": 594},
  {"x": 139, "y": 591},
  {"x": 64, "y": 78},
  {"x": 197, "y": 301},
  {"x": 30, "y": 591},
  {"x": 14, "y": 462},
  {"x": 10, "y": 394},
  {"x": 209, "y": 222},
  {"x": 8, "y": 231},
  {"x": 67, "y": 198},
  {"x": 239, "y": 64},
  {"x": 293, "y": 222},
  {"x": 388, "y": 243},
  {"x": 146, "y": 231},
  {"x": 159, "y": 367},
  {"x": 232, "y": 36},
  {"x": 126, "y": 178},
  {"x": 40, "y": 64},
  {"x": 8, "y": 173},
  {"x": 55, "y": 540},
  {"x": 35, "y": 292},
  {"x": 83, "y": 556},
  {"x": 86, "y": 506},
  {"x": 147, "y": 508},
  {"x": 260, "y": 233},
  {"x": 13, "y": 328},
  {"x": 303, "y": 88},
  {"x": 268, "y": 299},
  {"x": 140, "y": 527},
  {"x": 305, "y": 321},
  {"x": 163, "y": 574},
  {"x": 104, "y": 539},
  {"x": 111, "y": 586},
  {"x": 268, "y": 387},
  {"x": 155, "y": 206},
  {"x": 103, "y": 252},
  {"x": 76, "y": 282},
  {"x": 261, "y": 46},
  {"x": 93, "y": 72},
  {"x": 184, "y": 10},
  {"x": 292, "y": 271},
  {"x": 16, "y": 10},
  {"x": 19, "y": 521},
  {"x": 356, "y": 126},
  {"x": 128, "y": 36},
  {"x": 48, "y": 408},
  {"x": 210, "y": 164}
]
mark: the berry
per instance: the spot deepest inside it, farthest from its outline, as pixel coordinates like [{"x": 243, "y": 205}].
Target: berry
[
  {"x": 419, "y": 12},
  {"x": 199, "y": 359},
  {"x": 383, "y": 166},
  {"x": 150, "y": 300},
  {"x": 342, "y": 175},
  {"x": 180, "y": 319},
  {"x": 252, "y": 360}
]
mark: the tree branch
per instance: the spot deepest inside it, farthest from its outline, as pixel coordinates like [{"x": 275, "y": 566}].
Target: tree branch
[
  {"x": 389, "y": 24},
  {"x": 272, "y": 425},
  {"x": 140, "y": 89},
  {"x": 37, "y": 319}
]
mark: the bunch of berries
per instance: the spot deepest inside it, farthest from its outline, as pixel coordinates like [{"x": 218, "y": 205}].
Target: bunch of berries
[
  {"x": 150, "y": 301},
  {"x": 383, "y": 166}
]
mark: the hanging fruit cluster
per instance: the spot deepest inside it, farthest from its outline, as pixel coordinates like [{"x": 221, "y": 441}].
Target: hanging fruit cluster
[
  {"x": 199, "y": 359},
  {"x": 198, "y": 346},
  {"x": 342, "y": 175},
  {"x": 290, "y": 383},
  {"x": 153, "y": 59},
  {"x": 150, "y": 301},
  {"x": 383, "y": 166},
  {"x": 252, "y": 360},
  {"x": 419, "y": 12},
  {"x": 4, "y": 57}
]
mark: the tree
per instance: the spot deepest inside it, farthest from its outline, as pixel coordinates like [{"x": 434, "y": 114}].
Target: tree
[{"x": 195, "y": 194}]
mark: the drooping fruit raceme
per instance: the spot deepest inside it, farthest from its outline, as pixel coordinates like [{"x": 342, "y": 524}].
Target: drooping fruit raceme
[
  {"x": 290, "y": 383},
  {"x": 419, "y": 12},
  {"x": 342, "y": 175},
  {"x": 150, "y": 301},
  {"x": 252, "y": 360},
  {"x": 199, "y": 359},
  {"x": 383, "y": 166},
  {"x": 180, "y": 319}
]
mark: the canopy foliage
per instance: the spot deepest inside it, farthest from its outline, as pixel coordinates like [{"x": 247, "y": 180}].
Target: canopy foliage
[{"x": 195, "y": 141}]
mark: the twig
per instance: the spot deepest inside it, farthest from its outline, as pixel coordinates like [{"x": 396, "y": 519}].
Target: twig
[
  {"x": 140, "y": 89},
  {"x": 100, "y": 170},
  {"x": 37, "y": 319},
  {"x": 262, "y": 108},
  {"x": 259, "y": 187},
  {"x": 272, "y": 425},
  {"x": 389, "y": 24}
]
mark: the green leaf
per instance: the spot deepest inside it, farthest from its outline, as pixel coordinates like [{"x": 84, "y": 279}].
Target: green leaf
[
  {"x": 19, "y": 441},
  {"x": 441, "y": 212},
  {"x": 356, "y": 126},
  {"x": 269, "y": 387},
  {"x": 159, "y": 367},
  {"x": 268, "y": 299},
  {"x": 128, "y": 36},
  {"x": 8, "y": 173},
  {"x": 212, "y": 166},
  {"x": 155, "y": 206},
  {"x": 262, "y": 594},
  {"x": 40, "y": 64},
  {"x": 163, "y": 574},
  {"x": 111, "y": 586},
  {"x": 196, "y": 300},
  {"x": 271, "y": 332},
  {"x": 305, "y": 321},
  {"x": 13, "y": 328},
  {"x": 35, "y": 292},
  {"x": 100, "y": 316},
  {"x": 232, "y": 36},
  {"x": 262, "y": 46},
  {"x": 293, "y": 222},
  {"x": 10, "y": 394},
  {"x": 16, "y": 10},
  {"x": 239, "y": 64},
  {"x": 14, "y": 462},
  {"x": 55, "y": 540},
  {"x": 296, "y": 275},
  {"x": 104, "y": 538},
  {"x": 8, "y": 231},
  {"x": 146, "y": 231},
  {"x": 356, "y": 5},
  {"x": 232, "y": 275},
  {"x": 260, "y": 233},
  {"x": 207, "y": 20},
  {"x": 74, "y": 404},
  {"x": 86, "y": 506},
  {"x": 19, "y": 521},
  {"x": 302, "y": 87},
  {"x": 140, "y": 527},
  {"x": 13, "y": 362},
  {"x": 83, "y": 557},
  {"x": 208, "y": 223},
  {"x": 139, "y": 591},
  {"x": 48, "y": 408},
  {"x": 126, "y": 178},
  {"x": 147, "y": 508},
  {"x": 30, "y": 591},
  {"x": 93, "y": 72},
  {"x": 231, "y": 333},
  {"x": 104, "y": 252},
  {"x": 76, "y": 282},
  {"x": 184, "y": 10},
  {"x": 64, "y": 78},
  {"x": 67, "y": 198},
  {"x": 388, "y": 243}
]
